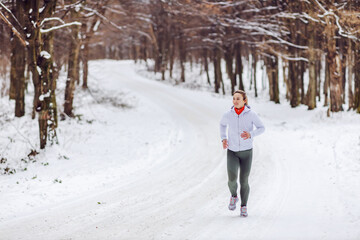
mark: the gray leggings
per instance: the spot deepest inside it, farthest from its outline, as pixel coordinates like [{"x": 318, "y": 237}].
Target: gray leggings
[{"x": 242, "y": 160}]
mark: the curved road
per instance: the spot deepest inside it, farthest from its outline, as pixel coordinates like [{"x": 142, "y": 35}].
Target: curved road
[{"x": 184, "y": 195}]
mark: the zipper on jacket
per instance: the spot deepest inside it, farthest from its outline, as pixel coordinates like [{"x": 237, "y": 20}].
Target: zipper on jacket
[{"x": 238, "y": 130}]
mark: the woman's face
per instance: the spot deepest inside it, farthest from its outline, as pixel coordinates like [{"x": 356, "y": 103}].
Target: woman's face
[{"x": 238, "y": 100}]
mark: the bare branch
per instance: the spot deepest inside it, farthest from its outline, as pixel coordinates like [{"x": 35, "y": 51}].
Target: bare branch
[
  {"x": 121, "y": 28},
  {"x": 12, "y": 15},
  {"x": 13, "y": 29}
]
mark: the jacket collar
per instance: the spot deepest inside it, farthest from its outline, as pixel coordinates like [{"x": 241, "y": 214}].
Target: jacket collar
[{"x": 246, "y": 109}]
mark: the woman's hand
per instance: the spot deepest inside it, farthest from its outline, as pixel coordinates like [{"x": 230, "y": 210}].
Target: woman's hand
[
  {"x": 245, "y": 135},
  {"x": 225, "y": 144}
]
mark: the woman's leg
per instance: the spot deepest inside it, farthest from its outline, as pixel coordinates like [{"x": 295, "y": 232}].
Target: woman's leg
[
  {"x": 233, "y": 171},
  {"x": 245, "y": 167}
]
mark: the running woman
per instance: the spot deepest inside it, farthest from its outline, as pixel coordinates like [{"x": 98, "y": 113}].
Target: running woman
[{"x": 237, "y": 134}]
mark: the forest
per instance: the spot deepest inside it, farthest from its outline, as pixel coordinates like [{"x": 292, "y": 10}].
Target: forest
[{"x": 313, "y": 43}]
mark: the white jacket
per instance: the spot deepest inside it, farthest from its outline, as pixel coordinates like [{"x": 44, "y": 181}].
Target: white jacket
[{"x": 236, "y": 125}]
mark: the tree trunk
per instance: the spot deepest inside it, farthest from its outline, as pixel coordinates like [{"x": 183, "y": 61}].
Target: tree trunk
[
  {"x": 206, "y": 65},
  {"x": 286, "y": 78},
  {"x": 13, "y": 66},
  {"x": 165, "y": 52},
  {"x": 318, "y": 76},
  {"x": 50, "y": 102},
  {"x": 85, "y": 63},
  {"x": 276, "y": 80},
  {"x": 254, "y": 71},
  {"x": 77, "y": 70},
  {"x": 217, "y": 70},
  {"x": 157, "y": 40},
  {"x": 343, "y": 50},
  {"x": 326, "y": 84},
  {"x": 48, "y": 113},
  {"x": 273, "y": 76},
  {"x": 72, "y": 69},
  {"x": 133, "y": 50},
  {"x": 250, "y": 71},
  {"x": 44, "y": 63},
  {"x": 40, "y": 63},
  {"x": 311, "y": 92},
  {"x": 294, "y": 89},
  {"x": 14, "y": 41},
  {"x": 350, "y": 64},
  {"x": 267, "y": 61},
  {"x": 334, "y": 67},
  {"x": 144, "y": 49},
  {"x": 171, "y": 56},
  {"x": 301, "y": 65},
  {"x": 239, "y": 66},
  {"x": 17, "y": 77},
  {"x": 293, "y": 68},
  {"x": 182, "y": 53},
  {"x": 228, "y": 55},
  {"x": 34, "y": 50},
  {"x": 357, "y": 79}
]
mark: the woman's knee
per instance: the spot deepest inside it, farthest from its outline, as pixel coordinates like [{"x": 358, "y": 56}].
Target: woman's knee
[
  {"x": 232, "y": 176},
  {"x": 244, "y": 179}
]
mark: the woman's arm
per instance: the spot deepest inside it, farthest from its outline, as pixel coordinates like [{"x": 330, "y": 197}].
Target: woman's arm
[
  {"x": 260, "y": 128},
  {"x": 223, "y": 127}
]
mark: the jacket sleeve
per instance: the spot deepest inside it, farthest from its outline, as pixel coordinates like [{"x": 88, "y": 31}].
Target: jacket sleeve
[
  {"x": 223, "y": 126},
  {"x": 260, "y": 128}
]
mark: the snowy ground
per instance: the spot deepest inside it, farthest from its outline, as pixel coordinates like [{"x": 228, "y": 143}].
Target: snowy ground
[{"x": 144, "y": 161}]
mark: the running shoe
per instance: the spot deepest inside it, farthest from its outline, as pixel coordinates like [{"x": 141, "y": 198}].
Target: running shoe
[
  {"x": 243, "y": 211},
  {"x": 232, "y": 204}
]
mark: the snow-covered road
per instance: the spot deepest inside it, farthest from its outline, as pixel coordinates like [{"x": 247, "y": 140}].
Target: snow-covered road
[{"x": 304, "y": 180}]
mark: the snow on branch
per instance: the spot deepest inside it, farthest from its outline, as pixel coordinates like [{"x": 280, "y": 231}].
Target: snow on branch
[
  {"x": 3, "y": 6},
  {"x": 341, "y": 31},
  {"x": 52, "y": 19},
  {"x": 226, "y": 4},
  {"x": 282, "y": 41},
  {"x": 96, "y": 26},
  {"x": 257, "y": 29},
  {"x": 309, "y": 17},
  {"x": 286, "y": 15},
  {"x": 337, "y": 21},
  {"x": 143, "y": 17},
  {"x": 89, "y": 15},
  {"x": 293, "y": 58},
  {"x": 302, "y": 16},
  {"x": 59, "y": 27},
  {"x": 285, "y": 56},
  {"x": 257, "y": 10}
]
